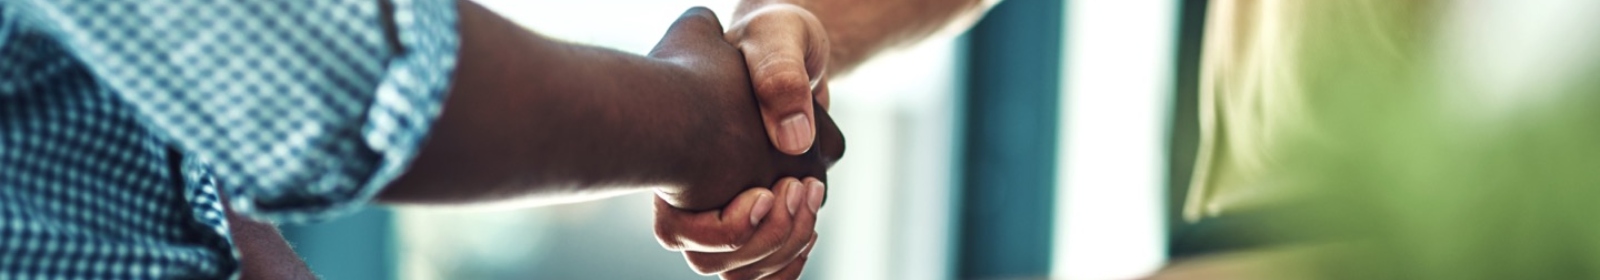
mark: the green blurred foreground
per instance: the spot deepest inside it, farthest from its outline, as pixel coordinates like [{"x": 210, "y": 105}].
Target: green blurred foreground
[{"x": 1406, "y": 139}]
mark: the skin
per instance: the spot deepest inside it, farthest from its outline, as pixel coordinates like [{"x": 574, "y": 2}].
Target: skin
[
  {"x": 264, "y": 254},
  {"x": 791, "y": 55},
  {"x": 792, "y": 47},
  {"x": 533, "y": 117},
  {"x": 752, "y": 237}
]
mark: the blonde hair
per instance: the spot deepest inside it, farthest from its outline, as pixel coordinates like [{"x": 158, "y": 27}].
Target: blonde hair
[{"x": 1257, "y": 59}]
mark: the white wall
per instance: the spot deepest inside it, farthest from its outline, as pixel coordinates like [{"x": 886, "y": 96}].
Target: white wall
[{"x": 1109, "y": 214}]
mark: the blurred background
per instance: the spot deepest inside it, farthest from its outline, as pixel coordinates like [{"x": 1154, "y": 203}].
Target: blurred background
[{"x": 1054, "y": 139}]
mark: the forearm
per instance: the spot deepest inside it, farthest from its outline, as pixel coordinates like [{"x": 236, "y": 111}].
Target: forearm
[
  {"x": 858, "y": 30},
  {"x": 528, "y": 115},
  {"x": 263, "y": 252}
]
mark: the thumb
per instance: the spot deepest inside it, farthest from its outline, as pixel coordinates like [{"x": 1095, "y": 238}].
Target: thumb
[
  {"x": 750, "y": 206},
  {"x": 786, "y": 51}
]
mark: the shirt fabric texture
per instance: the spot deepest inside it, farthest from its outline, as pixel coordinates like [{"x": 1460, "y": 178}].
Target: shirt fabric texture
[{"x": 121, "y": 121}]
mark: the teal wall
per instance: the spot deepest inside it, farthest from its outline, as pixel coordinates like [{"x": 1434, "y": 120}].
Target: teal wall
[
  {"x": 1008, "y": 147},
  {"x": 356, "y": 247}
]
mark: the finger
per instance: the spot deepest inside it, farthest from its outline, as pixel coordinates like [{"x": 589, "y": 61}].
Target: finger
[
  {"x": 770, "y": 237},
  {"x": 818, "y": 194},
  {"x": 785, "y": 51},
  {"x": 695, "y": 26},
  {"x": 794, "y": 268},
  {"x": 712, "y": 231},
  {"x": 802, "y": 235}
]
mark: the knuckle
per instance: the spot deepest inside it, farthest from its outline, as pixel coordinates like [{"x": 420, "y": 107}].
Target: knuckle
[
  {"x": 733, "y": 236},
  {"x": 803, "y": 236},
  {"x": 786, "y": 83},
  {"x": 740, "y": 275},
  {"x": 782, "y": 227},
  {"x": 771, "y": 245},
  {"x": 808, "y": 221},
  {"x": 700, "y": 13},
  {"x": 701, "y": 246},
  {"x": 663, "y": 229},
  {"x": 669, "y": 244},
  {"x": 706, "y": 264},
  {"x": 697, "y": 240},
  {"x": 727, "y": 246},
  {"x": 716, "y": 242},
  {"x": 667, "y": 239}
]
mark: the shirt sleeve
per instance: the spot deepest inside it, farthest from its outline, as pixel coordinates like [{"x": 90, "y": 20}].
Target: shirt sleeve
[{"x": 298, "y": 107}]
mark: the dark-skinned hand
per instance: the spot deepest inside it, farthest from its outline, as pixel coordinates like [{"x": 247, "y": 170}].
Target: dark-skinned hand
[
  {"x": 738, "y": 148},
  {"x": 761, "y": 234}
]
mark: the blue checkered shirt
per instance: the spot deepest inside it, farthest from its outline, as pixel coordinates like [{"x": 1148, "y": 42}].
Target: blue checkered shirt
[{"x": 121, "y": 121}]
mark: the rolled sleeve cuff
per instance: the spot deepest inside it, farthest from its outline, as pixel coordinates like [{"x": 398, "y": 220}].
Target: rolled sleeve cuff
[{"x": 408, "y": 98}]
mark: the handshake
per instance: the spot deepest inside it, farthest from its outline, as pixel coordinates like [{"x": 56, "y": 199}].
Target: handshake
[
  {"x": 769, "y": 244},
  {"x": 740, "y": 149},
  {"x": 707, "y": 119}
]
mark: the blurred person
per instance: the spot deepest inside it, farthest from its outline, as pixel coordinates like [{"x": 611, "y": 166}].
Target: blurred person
[
  {"x": 1373, "y": 139},
  {"x": 129, "y": 124}
]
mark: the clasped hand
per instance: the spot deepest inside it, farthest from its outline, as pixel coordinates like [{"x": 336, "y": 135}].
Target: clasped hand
[{"x": 726, "y": 223}]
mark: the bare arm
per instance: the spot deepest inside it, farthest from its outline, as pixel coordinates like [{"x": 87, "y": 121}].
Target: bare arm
[
  {"x": 858, "y": 30},
  {"x": 529, "y": 116}
]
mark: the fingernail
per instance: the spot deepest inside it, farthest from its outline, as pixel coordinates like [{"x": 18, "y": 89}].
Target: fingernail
[
  {"x": 794, "y": 192},
  {"x": 797, "y": 133},
  {"x": 817, "y": 191},
  {"x": 763, "y": 205}
]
